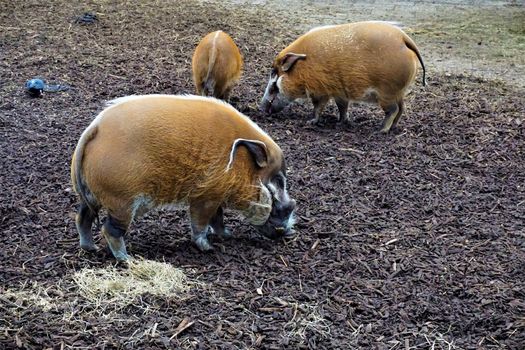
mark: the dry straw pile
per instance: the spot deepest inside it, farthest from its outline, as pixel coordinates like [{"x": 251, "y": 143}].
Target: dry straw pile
[{"x": 120, "y": 287}]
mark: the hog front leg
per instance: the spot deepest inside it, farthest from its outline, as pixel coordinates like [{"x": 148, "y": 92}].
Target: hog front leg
[
  {"x": 217, "y": 224},
  {"x": 342, "y": 106},
  {"x": 319, "y": 104},
  {"x": 201, "y": 214}
]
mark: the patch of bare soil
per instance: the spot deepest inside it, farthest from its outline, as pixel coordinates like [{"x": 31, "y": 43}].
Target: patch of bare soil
[{"x": 410, "y": 240}]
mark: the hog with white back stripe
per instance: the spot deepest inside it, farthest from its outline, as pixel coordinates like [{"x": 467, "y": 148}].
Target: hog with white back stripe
[
  {"x": 364, "y": 61},
  {"x": 216, "y": 65},
  {"x": 150, "y": 151}
]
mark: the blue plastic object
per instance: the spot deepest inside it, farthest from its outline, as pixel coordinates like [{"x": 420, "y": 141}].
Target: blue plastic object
[{"x": 35, "y": 87}]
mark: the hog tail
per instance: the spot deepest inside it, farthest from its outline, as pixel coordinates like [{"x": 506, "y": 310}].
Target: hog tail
[
  {"x": 77, "y": 175},
  {"x": 209, "y": 82},
  {"x": 412, "y": 46}
]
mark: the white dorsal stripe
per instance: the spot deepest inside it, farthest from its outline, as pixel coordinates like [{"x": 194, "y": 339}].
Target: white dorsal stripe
[
  {"x": 393, "y": 23},
  {"x": 322, "y": 27},
  {"x": 120, "y": 100},
  {"x": 216, "y": 36}
]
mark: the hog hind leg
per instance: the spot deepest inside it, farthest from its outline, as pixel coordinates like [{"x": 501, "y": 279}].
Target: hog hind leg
[
  {"x": 391, "y": 111},
  {"x": 401, "y": 107},
  {"x": 84, "y": 223},
  {"x": 114, "y": 230}
]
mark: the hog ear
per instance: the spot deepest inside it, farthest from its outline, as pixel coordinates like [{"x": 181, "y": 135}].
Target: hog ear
[
  {"x": 289, "y": 60},
  {"x": 256, "y": 148}
]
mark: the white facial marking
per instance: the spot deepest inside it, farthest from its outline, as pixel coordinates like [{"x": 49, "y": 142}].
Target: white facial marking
[
  {"x": 280, "y": 83},
  {"x": 272, "y": 187},
  {"x": 269, "y": 86},
  {"x": 280, "y": 194},
  {"x": 258, "y": 212},
  {"x": 288, "y": 225}
]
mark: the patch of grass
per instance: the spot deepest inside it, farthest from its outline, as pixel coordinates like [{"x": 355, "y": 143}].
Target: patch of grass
[{"x": 483, "y": 32}]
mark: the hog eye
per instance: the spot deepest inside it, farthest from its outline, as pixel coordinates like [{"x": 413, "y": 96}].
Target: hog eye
[{"x": 273, "y": 72}]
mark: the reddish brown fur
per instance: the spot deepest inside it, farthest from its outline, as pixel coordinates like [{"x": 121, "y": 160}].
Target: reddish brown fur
[
  {"x": 217, "y": 65},
  {"x": 170, "y": 149},
  {"x": 345, "y": 61},
  {"x": 387, "y": 64}
]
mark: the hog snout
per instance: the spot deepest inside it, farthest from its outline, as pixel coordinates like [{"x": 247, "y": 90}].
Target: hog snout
[
  {"x": 274, "y": 104},
  {"x": 282, "y": 211},
  {"x": 273, "y": 100},
  {"x": 281, "y": 221},
  {"x": 266, "y": 107}
]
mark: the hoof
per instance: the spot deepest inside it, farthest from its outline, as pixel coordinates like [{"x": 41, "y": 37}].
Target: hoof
[
  {"x": 119, "y": 255},
  {"x": 88, "y": 245},
  {"x": 122, "y": 256},
  {"x": 226, "y": 233},
  {"x": 313, "y": 122},
  {"x": 203, "y": 244},
  {"x": 346, "y": 121},
  {"x": 117, "y": 248}
]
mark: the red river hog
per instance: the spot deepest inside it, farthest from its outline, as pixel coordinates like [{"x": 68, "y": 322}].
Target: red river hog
[
  {"x": 363, "y": 61},
  {"x": 143, "y": 152},
  {"x": 217, "y": 65}
]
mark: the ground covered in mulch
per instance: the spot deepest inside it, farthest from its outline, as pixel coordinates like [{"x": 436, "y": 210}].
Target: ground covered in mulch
[{"x": 414, "y": 239}]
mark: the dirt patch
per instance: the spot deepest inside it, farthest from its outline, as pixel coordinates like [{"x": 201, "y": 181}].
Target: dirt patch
[{"x": 410, "y": 240}]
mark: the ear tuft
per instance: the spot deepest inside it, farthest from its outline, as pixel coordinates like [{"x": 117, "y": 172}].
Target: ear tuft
[
  {"x": 289, "y": 60},
  {"x": 256, "y": 148}
]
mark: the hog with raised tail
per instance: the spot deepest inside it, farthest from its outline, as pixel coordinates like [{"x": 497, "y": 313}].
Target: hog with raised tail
[
  {"x": 217, "y": 65},
  {"x": 144, "y": 152},
  {"x": 363, "y": 61}
]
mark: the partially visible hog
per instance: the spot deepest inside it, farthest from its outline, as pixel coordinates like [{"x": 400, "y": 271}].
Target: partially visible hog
[
  {"x": 364, "y": 61},
  {"x": 144, "y": 152},
  {"x": 217, "y": 65}
]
